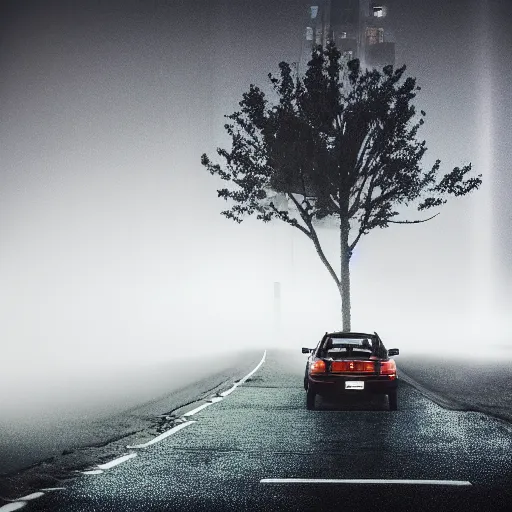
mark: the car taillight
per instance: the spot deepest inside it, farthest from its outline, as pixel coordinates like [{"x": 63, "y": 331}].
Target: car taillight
[
  {"x": 388, "y": 368},
  {"x": 353, "y": 366},
  {"x": 317, "y": 367}
]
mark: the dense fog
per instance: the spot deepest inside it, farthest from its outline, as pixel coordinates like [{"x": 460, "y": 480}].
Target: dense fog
[{"x": 112, "y": 248}]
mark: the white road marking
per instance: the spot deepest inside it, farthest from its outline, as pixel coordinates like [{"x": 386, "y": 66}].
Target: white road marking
[
  {"x": 201, "y": 407},
  {"x": 117, "y": 461},
  {"x": 13, "y": 506},
  {"x": 197, "y": 409},
  {"x": 241, "y": 381},
  {"x": 255, "y": 369},
  {"x": 211, "y": 401},
  {"x": 362, "y": 481},
  {"x": 32, "y": 496},
  {"x": 21, "y": 502},
  {"x": 54, "y": 489},
  {"x": 229, "y": 391},
  {"x": 101, "y": 467},
  {"x": 163, "y": 436}
]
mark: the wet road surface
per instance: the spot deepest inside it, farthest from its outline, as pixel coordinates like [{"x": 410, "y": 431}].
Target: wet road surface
[
  {"x": 70, "y": 408},
  {"x": 480, "y": 381},
  {"x": 421, "y": 457}
]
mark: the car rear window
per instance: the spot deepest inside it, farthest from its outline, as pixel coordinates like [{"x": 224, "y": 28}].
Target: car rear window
[{"x": 340, "y": 344}]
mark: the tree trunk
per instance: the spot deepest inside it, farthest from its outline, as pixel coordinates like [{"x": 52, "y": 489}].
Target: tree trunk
[{"x": 344, "y": 286}]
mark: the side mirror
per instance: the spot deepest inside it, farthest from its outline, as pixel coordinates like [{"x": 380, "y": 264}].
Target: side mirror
[
  {"x": 393, "y": 352},
  {"x": 306, "y": 350}
]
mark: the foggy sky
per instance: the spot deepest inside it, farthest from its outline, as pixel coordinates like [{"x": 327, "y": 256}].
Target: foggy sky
[{"x": 110, "y": 233}]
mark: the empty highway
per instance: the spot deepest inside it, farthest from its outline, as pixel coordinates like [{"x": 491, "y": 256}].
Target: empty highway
[{"x": 254, "y": 446}]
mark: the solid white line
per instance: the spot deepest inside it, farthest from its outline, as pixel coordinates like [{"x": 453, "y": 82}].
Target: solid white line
[
  {"x": 361, "y": 481},
  {"x": 91, "y": 472},
  {"x": 215, "y": 399},
  {"x": 163, "y": 436},
  {"x": 32, "y": 496},
  {"x": 13, "y": 506},
  {"x": 116, "y": 462},
  {"x": 54, "y": 489}
]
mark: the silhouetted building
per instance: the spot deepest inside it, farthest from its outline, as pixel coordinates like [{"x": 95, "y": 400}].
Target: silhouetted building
[
  {"x": 379, "y": 45},
  {"x": 359, "y": 28},
  {"x": 345, "y": 27}
]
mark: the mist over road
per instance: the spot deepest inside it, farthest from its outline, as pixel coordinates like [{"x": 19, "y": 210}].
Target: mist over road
[
  {"x": 248, "y": 450},
  {"x": 53, "y": 409},
  {"x": 478, "y": 379}
]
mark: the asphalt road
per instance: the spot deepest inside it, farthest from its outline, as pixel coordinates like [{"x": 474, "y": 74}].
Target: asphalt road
[
  {"x": 263, "y": 431},
  {"x": 481, "y": 381},
  {"x": 62, "y": 409}
]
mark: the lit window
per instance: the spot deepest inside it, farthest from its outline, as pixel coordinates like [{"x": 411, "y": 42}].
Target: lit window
[
  {"x": 348, "y": 54},
  {"x": 314, "y": 11},
  {"x": 372, "y": 35},
  {"x": 309, "y": 33},
  {"x": 343, "y": 35},
  {"x": 378, "y": 12}
]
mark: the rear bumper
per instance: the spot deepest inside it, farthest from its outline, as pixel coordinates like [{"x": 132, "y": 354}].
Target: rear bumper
[{"x": 335, "y": 385}]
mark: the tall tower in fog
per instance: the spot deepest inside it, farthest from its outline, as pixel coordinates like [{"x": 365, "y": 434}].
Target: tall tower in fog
[{"x": 360, "y": 29}]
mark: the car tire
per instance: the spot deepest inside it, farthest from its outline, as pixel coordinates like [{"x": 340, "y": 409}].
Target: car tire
[
  {"x": 393, "y": 401},
  {"x": 310, "y": 400},
  {"x": 306, "y": 383}
]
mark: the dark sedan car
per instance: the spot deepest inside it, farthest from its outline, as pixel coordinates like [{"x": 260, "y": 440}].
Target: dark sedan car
[{"x": 350, "y": 363}]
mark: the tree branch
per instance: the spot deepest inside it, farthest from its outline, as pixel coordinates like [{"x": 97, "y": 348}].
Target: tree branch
[
  {"x": 355, "y": 205},
  {"x": 383, "y": 197},
  {"x": 314, "y": 237},
  {"x": 412, "y": 221},
  {"x": 305, "y": 215},
  {"x": 364, "y": 170},
  {"x": 322, "y": 257},
  {"x": 336, "y": 203},
  {"x": 291, "y": 222},
  {"x": 305, "y": 200},
  {"x": 367, "y": 213},
  {"x": 363, "y": 149}
]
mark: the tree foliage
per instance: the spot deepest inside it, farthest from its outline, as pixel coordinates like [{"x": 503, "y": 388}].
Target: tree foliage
[
  {"x": 345, "y": 142},
  {"x": 340, "y": 141}
]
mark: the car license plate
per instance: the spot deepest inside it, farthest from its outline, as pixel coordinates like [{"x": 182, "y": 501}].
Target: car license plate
[{"x": 354, "y": 384}]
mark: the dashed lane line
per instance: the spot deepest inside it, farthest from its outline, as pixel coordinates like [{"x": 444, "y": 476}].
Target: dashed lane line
[
  {"x": 255, "y": 369},
  {"x": 100, "y": 468},
  {"x": 21, "y": 502},
  {"x": 162, "y": 436},
  {"x": 197, "y": 409},
  {"x": 13, "y": 506},
  {"x": 117, "y": 461},
  {"x": 229, "y": 391},
  {"x": 32, "y": 496}
]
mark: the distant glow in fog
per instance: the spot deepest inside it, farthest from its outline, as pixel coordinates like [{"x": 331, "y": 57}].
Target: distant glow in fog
[{"x": 484, "y": 265}]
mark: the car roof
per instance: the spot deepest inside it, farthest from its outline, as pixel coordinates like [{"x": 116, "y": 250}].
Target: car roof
[{"x": 349, "y": 335}]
